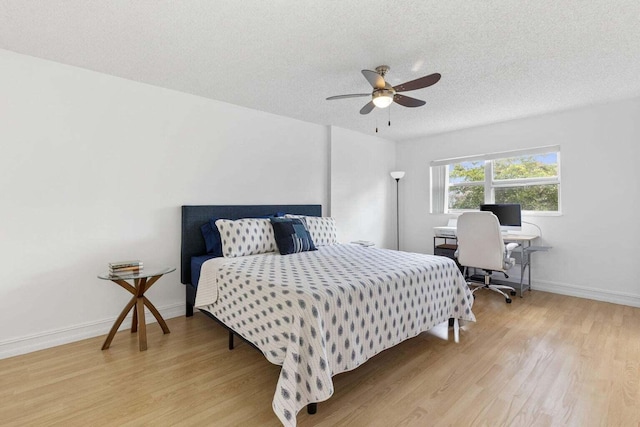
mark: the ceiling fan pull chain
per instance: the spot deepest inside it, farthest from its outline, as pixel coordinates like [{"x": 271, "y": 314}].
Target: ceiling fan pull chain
[{"x": 389, "y": 116}]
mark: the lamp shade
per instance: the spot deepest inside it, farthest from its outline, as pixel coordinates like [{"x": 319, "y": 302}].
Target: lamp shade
[{"x": 397, "y": 174}]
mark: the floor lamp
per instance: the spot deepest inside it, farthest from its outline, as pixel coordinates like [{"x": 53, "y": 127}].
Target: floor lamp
[{"x": 397, "y": 175}]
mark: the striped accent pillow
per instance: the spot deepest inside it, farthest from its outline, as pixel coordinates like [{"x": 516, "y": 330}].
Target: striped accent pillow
[{"x": 292, "y": 236}]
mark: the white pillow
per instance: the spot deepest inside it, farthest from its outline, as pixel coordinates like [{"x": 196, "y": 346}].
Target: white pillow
[
  {"x": 321, "y": 228},
  {"x": 249, "y": 236}
]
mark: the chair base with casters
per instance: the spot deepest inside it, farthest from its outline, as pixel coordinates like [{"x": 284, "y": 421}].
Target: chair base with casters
[{"x": 488, "y": 285}]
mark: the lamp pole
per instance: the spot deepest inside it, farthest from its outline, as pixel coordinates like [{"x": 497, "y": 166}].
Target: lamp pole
[
  {"x": 397, "y": 175},
  {"x": 398, "y": 213}
]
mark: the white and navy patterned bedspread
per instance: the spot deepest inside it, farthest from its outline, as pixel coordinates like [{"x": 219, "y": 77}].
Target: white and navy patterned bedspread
[{"x": 321, "y": 313}]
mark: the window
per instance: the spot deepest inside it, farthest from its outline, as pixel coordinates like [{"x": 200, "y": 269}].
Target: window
[{"x": 528, "y": 177}]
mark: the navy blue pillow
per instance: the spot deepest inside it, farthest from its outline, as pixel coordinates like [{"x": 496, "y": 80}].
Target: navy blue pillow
[
  {"x": 211, "y": 236},
  {"x": 291, "y": 236}
]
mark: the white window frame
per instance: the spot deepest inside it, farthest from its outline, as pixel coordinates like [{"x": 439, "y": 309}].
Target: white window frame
[{"x": 489, "y": 183}]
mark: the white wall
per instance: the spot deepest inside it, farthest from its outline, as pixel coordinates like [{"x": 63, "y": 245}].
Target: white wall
[
  {"x": 595, "y": 239},
  {"x": 94, "y": 169},
  {"x": 362, "y": 191}
]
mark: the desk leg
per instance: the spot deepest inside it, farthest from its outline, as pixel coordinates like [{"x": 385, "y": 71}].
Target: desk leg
[
  {"x": 529, "y": 269},
  {"x": 523, "y": 266},
  {"x": 529, "y": 263},
  {"x": 118, "y": 322}
]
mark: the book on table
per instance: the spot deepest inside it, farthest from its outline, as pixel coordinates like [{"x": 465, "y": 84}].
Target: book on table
[
  {"x": 131, "y": 263},
  {"x": 125, "y": 266}
]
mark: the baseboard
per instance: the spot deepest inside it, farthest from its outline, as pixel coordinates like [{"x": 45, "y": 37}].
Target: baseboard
[
  {"x": 615, "y": 297},
  {"x": 23, "y": 345}
]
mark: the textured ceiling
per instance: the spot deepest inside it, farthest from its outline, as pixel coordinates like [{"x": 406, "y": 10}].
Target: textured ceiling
[{"x": 498, "y": 59}]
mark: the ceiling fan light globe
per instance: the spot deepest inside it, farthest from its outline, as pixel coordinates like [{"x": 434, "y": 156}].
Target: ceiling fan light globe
[
  {"x": 383, "y": 101},
  {"x": 382, "y": 98}
]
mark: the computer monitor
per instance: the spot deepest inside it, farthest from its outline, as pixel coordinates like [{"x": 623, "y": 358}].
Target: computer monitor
[{"x": 509, "y": 215}]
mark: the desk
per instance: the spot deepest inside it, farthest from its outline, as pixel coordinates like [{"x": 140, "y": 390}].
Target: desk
[
  {"x": 142, "y": 281},
  {"x": 526, "y": 249}
]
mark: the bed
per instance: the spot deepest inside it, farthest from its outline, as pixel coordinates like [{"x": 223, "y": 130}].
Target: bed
[{"x": 321, "y": 312}]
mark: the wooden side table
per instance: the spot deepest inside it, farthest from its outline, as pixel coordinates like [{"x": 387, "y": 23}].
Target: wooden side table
[{"x": 142, "y": 281}]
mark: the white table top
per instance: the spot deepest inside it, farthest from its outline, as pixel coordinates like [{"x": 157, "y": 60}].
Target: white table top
[{"x": 518, "y": 237}]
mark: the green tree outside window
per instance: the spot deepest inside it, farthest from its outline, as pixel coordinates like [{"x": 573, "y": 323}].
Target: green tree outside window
[{"x": 510, "y": 182}]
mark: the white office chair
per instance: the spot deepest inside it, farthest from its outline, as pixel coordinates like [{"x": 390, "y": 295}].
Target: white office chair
[{"x": 480, "y": 245}]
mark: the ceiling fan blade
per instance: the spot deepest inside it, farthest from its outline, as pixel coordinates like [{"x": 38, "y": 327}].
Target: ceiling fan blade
[
  {"x": 367, "y": 108},
  {"x": 375, "y": 79},
  {"x": 407, "y": 101},
  {"x": 353, "y": 95},
  {"x": 420, "y": 83}
]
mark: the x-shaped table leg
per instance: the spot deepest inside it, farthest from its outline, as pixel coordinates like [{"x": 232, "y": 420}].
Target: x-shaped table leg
[{"x": 139, "y": 287}]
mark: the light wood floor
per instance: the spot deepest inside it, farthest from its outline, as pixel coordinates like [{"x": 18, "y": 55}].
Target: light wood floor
[{"x": 545, "y": 360}]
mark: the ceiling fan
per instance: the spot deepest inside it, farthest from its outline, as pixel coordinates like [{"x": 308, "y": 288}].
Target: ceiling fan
[{"x": 384, "y": 94}]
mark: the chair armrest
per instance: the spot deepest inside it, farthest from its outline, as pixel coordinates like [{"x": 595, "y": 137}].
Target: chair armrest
[
  {"x": 511, "y": 246},
  {"x": 508, "y": 248}
]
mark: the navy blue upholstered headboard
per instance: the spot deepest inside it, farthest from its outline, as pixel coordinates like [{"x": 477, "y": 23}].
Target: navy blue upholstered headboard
[{"x": 193, "y": 217}]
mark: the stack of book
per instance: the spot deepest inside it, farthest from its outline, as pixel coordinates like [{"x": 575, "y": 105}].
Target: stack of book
[{"x": 125, "y": 267}]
